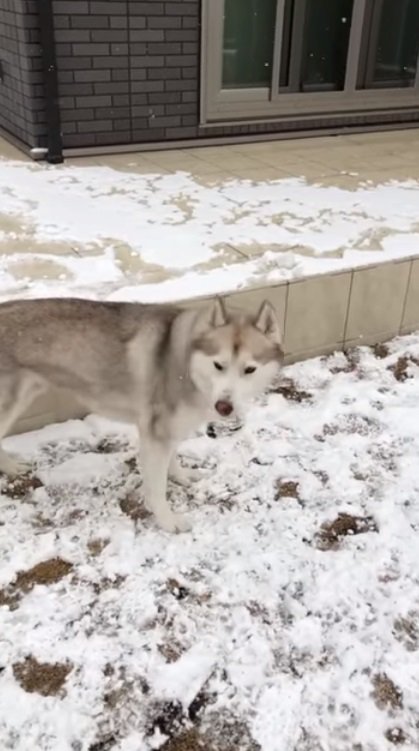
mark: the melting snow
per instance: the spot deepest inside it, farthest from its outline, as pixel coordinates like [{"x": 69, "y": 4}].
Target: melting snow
[
  {"x": 286, "y": 621},
  {"x": 174, "y": 223}
]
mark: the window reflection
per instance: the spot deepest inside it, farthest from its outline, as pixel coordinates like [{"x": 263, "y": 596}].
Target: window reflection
[{"x": 249, "y": 27}]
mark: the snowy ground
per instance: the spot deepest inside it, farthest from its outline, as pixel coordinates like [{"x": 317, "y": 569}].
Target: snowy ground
[
  {"x": 286, "y": 621},
  {"x": 101, "y": 231}
]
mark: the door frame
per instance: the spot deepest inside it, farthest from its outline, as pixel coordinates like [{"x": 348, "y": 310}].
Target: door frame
[{"x": 265, "y": 103}]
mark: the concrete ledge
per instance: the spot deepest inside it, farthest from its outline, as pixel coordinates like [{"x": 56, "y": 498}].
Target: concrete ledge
[{"x": 319, "y": 315}]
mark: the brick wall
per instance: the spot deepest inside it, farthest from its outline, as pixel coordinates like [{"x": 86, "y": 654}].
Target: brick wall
[
  {"x": 21, "y": 88},
  {"x": 128, "y": 70}
]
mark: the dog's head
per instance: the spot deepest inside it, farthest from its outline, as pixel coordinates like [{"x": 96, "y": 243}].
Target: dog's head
[{"x": 234, "y": 356}]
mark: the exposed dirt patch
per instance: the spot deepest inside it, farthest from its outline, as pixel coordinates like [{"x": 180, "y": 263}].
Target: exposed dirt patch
[
  {"x": 225, "y": 734},
  {"x": 224, "y": 504},
  {"x": 259, "y": 611},
  {"x": 322, "y": 476},
  {"x": 396, "y": 736},
  {"x": 351, "y": 425},
  {"x": 131, "y": 506},
  {"x": 9, "y": 598},
  {"x": 97, "y": 546},
  {"x": 120, "y": 687},
  {"x": 360, "y": 424},
  {"x": 106, "y": 744},
  {"x": 108, "y": 583},
  {"x": 291, "y": 392},
  {"x": 41, "y": 677},
  {"x": 20, "y": 488},
  {"x": 331, "y": 429},
  {"x": 385, "y": 693},
  {"x": 168, "y": 718},
  {"x": 188, "y": 740},
  {"x": 46, "y": 572},
  {"x": 286, "y": 489},
  {"x": 202, "y": 700},
  {"x": 331, "y": 533},
  {"x": 107, "y": 446},
  {"x": 42, "y": 522},
  {"x": 171, "y": 719},
  {"x": 132, "y": 464},
  {"x": 76, "y": 515},
  {"x": 406, "y": 631},
  {"x": 170, "y": 650},
  {"x": 400, "y": 369},
  {"x": 381, "y": 351},
  {"x": 214, "y": 737},
  {"x": 351, "y": 363},
  {"x": 360, "y": 476},
  {"x": 384, "y": 456},
  {"x": 176, "y": 589}
]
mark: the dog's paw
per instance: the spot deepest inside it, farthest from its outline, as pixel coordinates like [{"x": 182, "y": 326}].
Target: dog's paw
[
  {"x": 186, "y": 475},
  {"x": 14, "y": 465},
  {"x": 174, "y": 523}
]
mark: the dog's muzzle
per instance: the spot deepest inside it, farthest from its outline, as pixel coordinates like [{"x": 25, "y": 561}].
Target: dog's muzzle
[{"x": 224, "y": 408}]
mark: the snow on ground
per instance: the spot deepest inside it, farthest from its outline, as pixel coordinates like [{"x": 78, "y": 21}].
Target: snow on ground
[
  {"x": 287, "y": 620},
  {"x": 173, "y": 223}
]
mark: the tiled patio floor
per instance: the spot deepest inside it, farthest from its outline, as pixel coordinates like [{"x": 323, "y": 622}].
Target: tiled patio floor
[{"x": 342, "y": 161}]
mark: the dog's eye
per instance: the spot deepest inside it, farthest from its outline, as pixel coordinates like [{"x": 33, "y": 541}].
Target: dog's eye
[
  {"x": 249, "y": 370},
  {"x": 218, "y": 366}
]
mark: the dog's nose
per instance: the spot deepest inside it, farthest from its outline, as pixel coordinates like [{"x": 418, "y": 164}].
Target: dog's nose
[{"x": 223, "y": 408}]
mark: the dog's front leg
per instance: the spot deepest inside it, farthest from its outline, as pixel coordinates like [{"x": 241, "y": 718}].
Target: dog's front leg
[{"x": 155, "y": 460}]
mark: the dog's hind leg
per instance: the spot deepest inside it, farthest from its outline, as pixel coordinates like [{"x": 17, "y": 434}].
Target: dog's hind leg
[{"x": 16, "y": 395}]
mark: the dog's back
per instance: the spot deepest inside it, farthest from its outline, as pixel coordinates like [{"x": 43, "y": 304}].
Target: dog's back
[{"x": 80, "y": 338}]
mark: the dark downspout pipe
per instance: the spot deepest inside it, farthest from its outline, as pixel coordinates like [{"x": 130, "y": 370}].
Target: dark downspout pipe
[{"x": 49, "y": 64}]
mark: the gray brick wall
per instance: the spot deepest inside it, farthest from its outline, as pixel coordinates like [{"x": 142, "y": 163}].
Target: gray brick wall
[
  {"x": 128, "y": 70},
  {"x": 21, "y": 88}
]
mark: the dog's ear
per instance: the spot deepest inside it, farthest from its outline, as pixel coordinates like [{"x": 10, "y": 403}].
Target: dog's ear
[
  {"x": 218, "y": 313},
  {"x": 215, "y": 314},
  {"x": 267, "y": 322},
  {"x": 212, "y": 316}
]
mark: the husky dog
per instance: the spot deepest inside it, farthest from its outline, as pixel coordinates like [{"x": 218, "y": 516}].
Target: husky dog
[{"x": 166, "y": 369}]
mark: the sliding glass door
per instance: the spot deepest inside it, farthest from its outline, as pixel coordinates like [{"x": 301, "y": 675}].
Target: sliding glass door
[
  {"x": 392, "y": 50},
  {"x": 315, "y": 41},
  {"x": 248, "y": 43},
  {"x": 273, "y": 58}
]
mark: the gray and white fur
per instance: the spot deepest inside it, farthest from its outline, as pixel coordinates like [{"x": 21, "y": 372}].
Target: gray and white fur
[{"x": 163, "y": 368}]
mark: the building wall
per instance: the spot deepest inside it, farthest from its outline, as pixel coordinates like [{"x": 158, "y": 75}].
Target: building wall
[
  {"x": 21, "y": 88},
  {"x": 128, "y": 70}
]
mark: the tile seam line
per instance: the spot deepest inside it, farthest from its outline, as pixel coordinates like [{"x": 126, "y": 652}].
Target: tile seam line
[
  {"x": 409, "y": 277},
  {"x": 345, "y": 327}
]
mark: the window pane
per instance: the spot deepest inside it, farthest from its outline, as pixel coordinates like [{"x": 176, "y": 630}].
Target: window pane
[
  {"x": 325, "y": 46},
  {"x": 249, "y": 28},
  {"x": 398, "y": 42}
]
